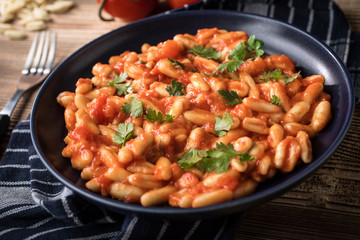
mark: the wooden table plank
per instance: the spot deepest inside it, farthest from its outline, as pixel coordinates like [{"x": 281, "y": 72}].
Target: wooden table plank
[
  {"x": 274, "y": 221},
  {"x": 325, "y": 206},
  {"x": 351, "y": 8}
]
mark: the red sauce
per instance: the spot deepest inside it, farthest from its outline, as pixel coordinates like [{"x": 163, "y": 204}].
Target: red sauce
[
  {"x": 228, "y": 182},
  {"x": 168, "y": 49},
  {"x": 104, "y": 184},
  {"x": 81, "y": 133},
  {"x": 96, "y": 108}
]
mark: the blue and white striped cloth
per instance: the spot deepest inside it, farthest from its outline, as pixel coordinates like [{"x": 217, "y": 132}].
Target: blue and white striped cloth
[{"x": 34, "y": 205}]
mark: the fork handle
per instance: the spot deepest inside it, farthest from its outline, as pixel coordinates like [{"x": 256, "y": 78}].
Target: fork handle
[
  {"x": 10, "y": 106},
  {"x": 4, "y": 124},
  {"x": 5, "y": 113}
]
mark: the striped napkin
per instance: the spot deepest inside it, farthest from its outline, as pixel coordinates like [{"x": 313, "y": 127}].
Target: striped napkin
[{"x": 34, "y": 205}]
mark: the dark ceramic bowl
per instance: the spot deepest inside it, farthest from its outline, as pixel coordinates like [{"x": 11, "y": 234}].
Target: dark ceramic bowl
[{"x": 312, "y": 56}]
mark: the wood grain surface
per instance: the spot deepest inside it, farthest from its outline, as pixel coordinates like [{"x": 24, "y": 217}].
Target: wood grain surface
[{"x": 325, "y": 206}]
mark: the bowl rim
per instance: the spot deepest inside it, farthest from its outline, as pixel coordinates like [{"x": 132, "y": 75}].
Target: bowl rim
[{"x": 251, "y": 200}]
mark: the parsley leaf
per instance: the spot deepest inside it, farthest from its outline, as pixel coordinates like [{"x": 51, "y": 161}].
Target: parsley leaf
[
  {"x": 205, "y": 52},
  {"x": 236, "y": 57},
  {"x": 245, "y": 156},
  {"x": 191, "y": 157},
  {"x": 176, "y": 63},
  {"x": 231, "y": 96},
  {"x": 238, "y": 53},
  {"x": 275, "y": 100},
  {"x": 245, "y": 51},
  {"x": 217, "y": 160},
  {"x": 134, "y": 107},
  {"x": 277, "y": 75},
  {"x": 271, "y": 75},
  {"x": 153, "y": 117},
  {"x": 292, "y": 78},
  {"x": 124, "y": 133},
  {"x": 122, "y": 89},
  {"x": 176, "y": 88},
  {"x": 253, "y": 47},
  {"x": 223, "y": 125},
  {"x": 230, "y": 66},
  {"x": 118, "y": 79}
]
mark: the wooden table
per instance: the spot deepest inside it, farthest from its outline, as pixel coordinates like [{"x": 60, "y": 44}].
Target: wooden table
[{"x": 325, "y": 206}]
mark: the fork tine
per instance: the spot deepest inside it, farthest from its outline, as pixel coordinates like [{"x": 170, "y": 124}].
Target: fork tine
[
  {"x": 27, "y": 81},
  {"x": 31, "y": 54},
  {"x": 38, "y": 53},
  {"x": 51, "y": 55},
  {"x": 44, "y": 53}
]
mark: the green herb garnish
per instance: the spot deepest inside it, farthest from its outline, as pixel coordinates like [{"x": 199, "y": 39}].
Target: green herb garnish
[
  {"x": 121, "y": 87},
  {"x": 290, "y": 79},
  {"x": 124, "y": 133},
  {"x": 152, "y": 116},
  {"x": 275, "y": 100},
  {"x": 277, "y": 75},
  {"x": 176, "y": 88},
  {"x": 223, "y": 125},
  {"x": 134, "y": 107},
  {"x": 245, "y": 51},
  {"x": 271, "y": 75},
  {"x": 205, "y": 52},
  {"x": 231, "y": 96},
  {"x": 217, "y": 160},
  {"x": 191, "y": 157},
  {"x": 176, "y": 63}
]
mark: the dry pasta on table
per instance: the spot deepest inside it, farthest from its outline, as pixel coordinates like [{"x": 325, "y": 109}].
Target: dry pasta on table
[{"x": 196, "y": 120}]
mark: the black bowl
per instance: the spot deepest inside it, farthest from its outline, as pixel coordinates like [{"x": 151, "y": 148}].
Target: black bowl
[{"x": 311, "y": 55}]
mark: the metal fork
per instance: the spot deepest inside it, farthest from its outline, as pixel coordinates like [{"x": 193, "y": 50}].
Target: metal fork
[{"x": 37, "y": 67}]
